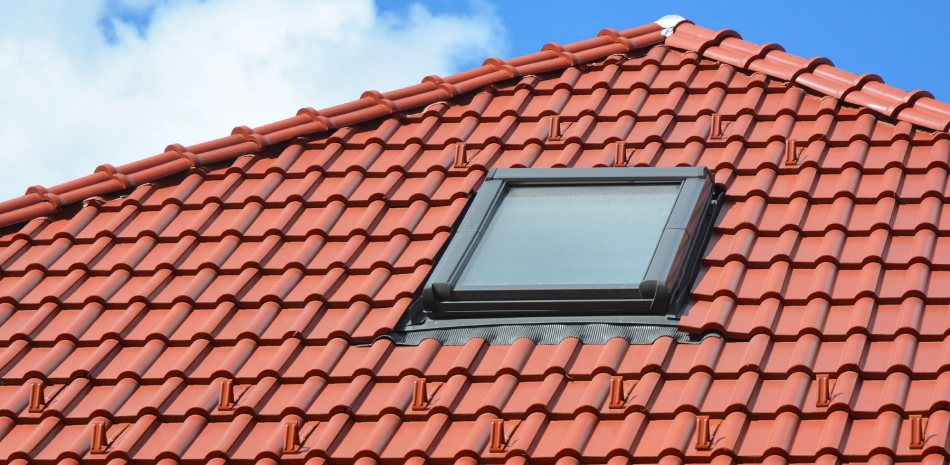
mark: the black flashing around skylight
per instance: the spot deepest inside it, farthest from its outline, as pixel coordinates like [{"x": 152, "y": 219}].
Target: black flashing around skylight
[{"x": 639, "y": 239}]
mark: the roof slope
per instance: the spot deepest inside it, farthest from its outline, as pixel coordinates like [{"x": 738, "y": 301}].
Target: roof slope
[{"x": 278, "y": 270}]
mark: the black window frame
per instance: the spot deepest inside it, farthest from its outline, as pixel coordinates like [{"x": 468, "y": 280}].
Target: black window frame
[{"x": 657, "y": 299}]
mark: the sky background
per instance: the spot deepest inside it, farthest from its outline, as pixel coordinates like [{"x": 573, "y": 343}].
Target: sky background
[{"x": 114, "y": 81}]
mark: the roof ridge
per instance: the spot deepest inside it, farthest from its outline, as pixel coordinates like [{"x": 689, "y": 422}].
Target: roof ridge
[
  {"x": 726, "y": 46},
  {"x": 39, "y": 201},
  {"x": 818, "y": 74}
]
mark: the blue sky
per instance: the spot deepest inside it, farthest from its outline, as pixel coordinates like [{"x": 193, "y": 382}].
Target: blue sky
[
  {"x": 115, "y": 81},
  {"x": 906, "y": 43}
]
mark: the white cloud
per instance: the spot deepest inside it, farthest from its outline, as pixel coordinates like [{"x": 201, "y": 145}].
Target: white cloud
[{"x": 87, "y": 83}]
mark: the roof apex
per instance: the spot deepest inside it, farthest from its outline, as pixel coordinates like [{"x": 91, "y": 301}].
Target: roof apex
[{"x": 669, "y": 23}]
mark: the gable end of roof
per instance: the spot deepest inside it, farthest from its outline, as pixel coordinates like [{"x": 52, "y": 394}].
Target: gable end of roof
[{"x": 726, "y": 46}]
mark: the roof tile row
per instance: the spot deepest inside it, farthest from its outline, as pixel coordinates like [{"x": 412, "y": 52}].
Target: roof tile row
[
  {"x": 248, "y": 359},
  {"x": 586, "y": 438},
  {"x": 559, "y": 395}
]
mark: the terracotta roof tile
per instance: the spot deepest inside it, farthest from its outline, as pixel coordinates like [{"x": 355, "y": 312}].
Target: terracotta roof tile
[{"x": 271, "y": 260}]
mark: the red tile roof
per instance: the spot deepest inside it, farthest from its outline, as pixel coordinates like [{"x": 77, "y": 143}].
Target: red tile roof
[{"x": 273, "y": 258}]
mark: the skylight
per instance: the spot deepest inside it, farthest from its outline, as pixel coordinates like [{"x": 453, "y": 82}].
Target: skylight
[
  {"x": 571, "y": 235},
  {"x": 565, "y": 245}
]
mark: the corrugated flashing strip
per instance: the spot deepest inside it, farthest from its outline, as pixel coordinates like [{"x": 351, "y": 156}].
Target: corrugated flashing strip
[{"x": 548, "y": 334}]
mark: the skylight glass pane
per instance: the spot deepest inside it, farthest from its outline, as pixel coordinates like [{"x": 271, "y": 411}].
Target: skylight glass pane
[{"x": 572, "y": 235}]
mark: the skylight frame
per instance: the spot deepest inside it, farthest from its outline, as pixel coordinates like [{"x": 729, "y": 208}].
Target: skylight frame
[{"x": 657, "y": 298}]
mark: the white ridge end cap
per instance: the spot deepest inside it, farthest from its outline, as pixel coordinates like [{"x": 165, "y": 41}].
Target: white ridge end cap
[{"x": 668, "y": 23}]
